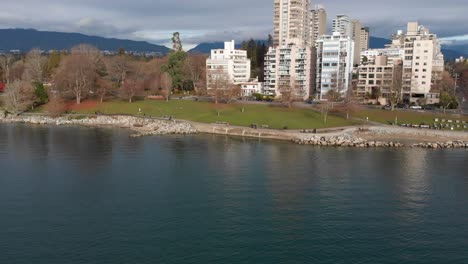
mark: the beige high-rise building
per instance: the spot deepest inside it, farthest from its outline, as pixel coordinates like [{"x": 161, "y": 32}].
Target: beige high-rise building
[
  {"x": 356, "y": 36},
  {"x": 423, "y": 63},
  {"x": 318, "y": 25},
  {"x": 292, "y": 22},
  {"x": 365, "y": 39}
]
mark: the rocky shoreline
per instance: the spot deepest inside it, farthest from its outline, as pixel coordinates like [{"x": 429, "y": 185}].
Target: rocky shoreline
[
  {"x": 346, "y": 142},
  {"x": 439, "y": 145},
  {"x": 151, "y": 126},
  {"x": 142, "y": 126}
]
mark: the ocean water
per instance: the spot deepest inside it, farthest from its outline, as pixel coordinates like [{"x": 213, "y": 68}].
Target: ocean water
[{"x": 88, "y": 195}]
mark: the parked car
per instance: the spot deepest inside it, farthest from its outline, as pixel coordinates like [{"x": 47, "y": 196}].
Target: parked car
[
  {"x": 430, "y": 107},
  {"x": 416, "y": 107}
]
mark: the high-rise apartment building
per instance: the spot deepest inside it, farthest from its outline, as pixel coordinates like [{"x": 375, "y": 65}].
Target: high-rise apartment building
[
  {"x": 345, "y": 26},
  {"x": 292, "y": 22},
  {"x": 288, "y": 67},
  {"x": 365, "y": 39},
  {"x": 423, "y": 63},
  {"x": 318, "y": 21},
  {"x": 334, "y": 67}
]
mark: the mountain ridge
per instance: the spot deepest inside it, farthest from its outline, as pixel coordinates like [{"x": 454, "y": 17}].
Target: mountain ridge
[{"x": 27, "y": 39}]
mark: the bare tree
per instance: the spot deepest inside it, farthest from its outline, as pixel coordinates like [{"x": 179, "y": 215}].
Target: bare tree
[
  {"x": 76, "y": 75},
  {"x": 103, "y": 88},
  {"x": 6, "y": 62},
  {"x": 16, "y": 71},
  {"x": 349, "y": 106},
  {"x": 195, "y": 70},
  {"x": 151, "y": 74},
  {"x": 218, "y": 81},
  {"x": 56, "y": 105},
  {"x": 396, "y": 88},
  {"x": 332, "y": 97},
  {"x": 288, "y": 91},
  {"x": 131, "y": 88},
  {"x": 34, "y": 66},
  {"x": 19, "y": 96},
  {"x": 232, "y": 93},
  {"x": 120, "y": 67},
  {"x": 90, "y": 52},
  {"x": 166, "y": 85}
]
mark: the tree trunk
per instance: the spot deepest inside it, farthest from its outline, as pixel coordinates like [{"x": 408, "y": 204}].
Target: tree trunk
[
  {"x": 102, "y": 99},
  {"x": 130, "y": 99},
  {"x": 78, "y": 99}
]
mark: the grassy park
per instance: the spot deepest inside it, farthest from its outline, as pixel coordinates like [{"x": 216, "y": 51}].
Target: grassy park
[
  {"x": 405, "y": 117},
  {"x": 273, "y": 116}
]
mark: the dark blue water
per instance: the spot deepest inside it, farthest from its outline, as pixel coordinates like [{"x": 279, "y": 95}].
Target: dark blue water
[{"x": 81, "y": 195}]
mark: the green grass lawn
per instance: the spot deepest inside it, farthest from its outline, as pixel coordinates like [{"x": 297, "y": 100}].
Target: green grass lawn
[
  {"x": 405, "y": 117},
  {"x": 274, "y": 117}
]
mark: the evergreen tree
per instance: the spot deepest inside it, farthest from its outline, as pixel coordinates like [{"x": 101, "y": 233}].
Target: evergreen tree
[
  {"x": 244, "y": 45},
  {"x": 270, "y": 41},
  {"x": 252, "y": 54},
  {"x": 175, "y": 68},
  {"x": 41, "y": 94}
]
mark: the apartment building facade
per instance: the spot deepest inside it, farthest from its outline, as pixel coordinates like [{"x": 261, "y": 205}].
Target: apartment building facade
[
  {"x": 228, "y": 63},
  {"x": 292, "y": 22},
  {"x": 334, "y": 66},
  {"x": 365, "y": 39},
  {"x": 352, "y": 28},
  {"x": 318, "y": 26},
  {"x": 393, "y": 54},
  {"x": 375, "y": 79},
  {"x": 288, "y": 67},
  {"x": 423, "y": 63}
]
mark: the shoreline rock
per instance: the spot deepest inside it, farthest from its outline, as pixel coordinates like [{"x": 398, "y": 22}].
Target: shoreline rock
[
  {"x": 345, "y": 141},
  {"x": 142, "y": 126},
  {"x": 440, "y": 145}
]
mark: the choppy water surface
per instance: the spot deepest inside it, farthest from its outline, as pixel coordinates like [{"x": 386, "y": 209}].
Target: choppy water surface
[{"x": 81, "y": 195}]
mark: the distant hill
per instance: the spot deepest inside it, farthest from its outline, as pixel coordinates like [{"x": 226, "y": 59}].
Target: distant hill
[
  {"x": 206, "y": 47},
  {"x": 450, "y": 54},
  {"x": 27, "y": 39},
  {"x": 378, "y": 43}
]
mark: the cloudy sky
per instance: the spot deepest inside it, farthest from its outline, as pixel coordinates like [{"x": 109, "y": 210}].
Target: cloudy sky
[{"x": 217, "y": 20}]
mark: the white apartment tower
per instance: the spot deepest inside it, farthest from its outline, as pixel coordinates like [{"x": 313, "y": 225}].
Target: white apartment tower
[
  {"x": 342, "y": 25},
  {"x": 334, "y": 68},
  {"x": 318, "y": 21},
  {"x": 423, "y": 63},
  {"x": 228, "y": 63},
  {"x": 291, "y": 22},
  {"x": 352, "y": 28}
]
